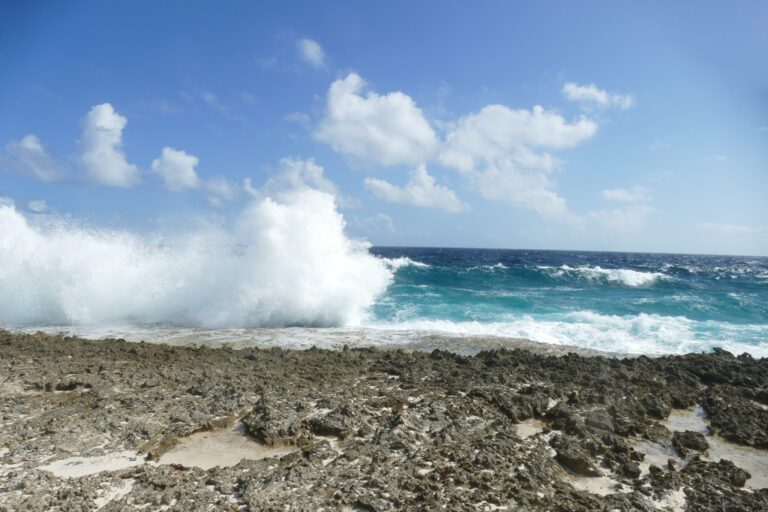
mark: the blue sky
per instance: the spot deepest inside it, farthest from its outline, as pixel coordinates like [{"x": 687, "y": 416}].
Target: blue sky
[{"x": 553, "y": 125}]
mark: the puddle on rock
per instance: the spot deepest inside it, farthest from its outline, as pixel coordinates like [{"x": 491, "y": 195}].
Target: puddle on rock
[
  {"x": 75, "y": 467},
  {"x": 222, "y": 448},
  {"x": 600, "y": 485},
  {"x": 753, "y": 460},
  {"x": 530, "y": 427}
]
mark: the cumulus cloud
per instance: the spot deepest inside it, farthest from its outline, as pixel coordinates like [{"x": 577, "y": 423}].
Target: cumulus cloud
[
  {"x": 102, "y": 154},
  {"x": 729, "y": 229},
  {"x": 500, "y": 150},
  {"x": 177, "y": 168},
  {"x": 524, "y": 187},
  {"x": 311, "y": 52},
  {"x": 30, "y": 158},
  {"x": 498, "y": 132},
  {"x": 630, "y": 218},
  {"x": 421, "y": 190},
  {"x": 38, "y": 206},
  {"x": 375, "y": 129},
  {"x": 592, "y": 95},
  {"x": 635, "y": 194}
]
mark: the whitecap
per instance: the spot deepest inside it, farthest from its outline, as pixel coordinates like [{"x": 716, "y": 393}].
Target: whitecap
[
  {"x": 396, "y": 264},
  {"x": 624, "y": 276}
]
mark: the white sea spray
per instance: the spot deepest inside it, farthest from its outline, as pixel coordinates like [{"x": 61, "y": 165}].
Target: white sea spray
[{"x": 285, "y": 261}]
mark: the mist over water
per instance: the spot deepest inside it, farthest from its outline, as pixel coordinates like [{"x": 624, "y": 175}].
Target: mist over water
[{"x": 285, "y": 273}]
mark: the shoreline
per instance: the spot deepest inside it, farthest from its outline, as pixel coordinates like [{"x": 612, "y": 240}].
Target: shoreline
[
  {"x": 356, "y": 338},
  {"x": 91, "y": 423}
]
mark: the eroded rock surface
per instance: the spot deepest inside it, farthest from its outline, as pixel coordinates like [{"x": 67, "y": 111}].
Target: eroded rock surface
[{"x": 369, "y": 429}]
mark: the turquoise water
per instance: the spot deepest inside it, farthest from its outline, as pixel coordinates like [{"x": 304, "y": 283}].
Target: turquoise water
[{"x": 640, "y": 303}]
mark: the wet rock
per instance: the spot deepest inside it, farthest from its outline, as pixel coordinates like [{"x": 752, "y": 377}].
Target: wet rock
[
  {"x": 685, "y": 442},
  {"x": 600, "y": 420},
  {"x": 573, "y": 457}
]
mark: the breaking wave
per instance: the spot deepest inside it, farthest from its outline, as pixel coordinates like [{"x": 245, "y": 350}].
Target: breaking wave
[
  {"x": 398, "y": 263},
  {"x": 283, "y": 262},
  {"x": 623, "y": 276}
]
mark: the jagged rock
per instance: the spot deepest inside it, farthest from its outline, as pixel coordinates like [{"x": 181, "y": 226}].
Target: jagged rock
[{"x": 686, "y": 441}]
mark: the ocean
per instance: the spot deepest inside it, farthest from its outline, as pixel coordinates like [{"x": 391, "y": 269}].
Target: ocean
[
  {"x": 286, "y": 274},
  {"x": 619, "y": 302}
]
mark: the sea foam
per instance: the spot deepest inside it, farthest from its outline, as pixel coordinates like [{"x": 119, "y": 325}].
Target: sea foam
[
  {"x": 627, "y": 334},
  {"x": 283, "y": 262}
]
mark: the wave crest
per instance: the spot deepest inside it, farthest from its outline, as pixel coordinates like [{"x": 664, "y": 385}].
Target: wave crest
[
  {"x": 623, "y": 276},
  {"x": 396, "y": 264}
]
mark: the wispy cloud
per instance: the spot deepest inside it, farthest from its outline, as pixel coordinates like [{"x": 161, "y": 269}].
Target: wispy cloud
[
  {"x": 729, "y": 229},
  {"x": 311, "y": 52},
  {"x": 38, "y": 206},
  {"x": 634, "y": 194},
  {"x": 30, "y": 158},
  {"x": 592, "y": 95}
]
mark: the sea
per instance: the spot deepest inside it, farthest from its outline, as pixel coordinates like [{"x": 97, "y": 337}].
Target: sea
[
  {"x": 608, "y": 301},
  {"x": 285, "y": 273},
  {"x": 470, "y": 299}
]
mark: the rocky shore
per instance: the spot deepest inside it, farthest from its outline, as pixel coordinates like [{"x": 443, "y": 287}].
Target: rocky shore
[{"x": 113, "y": 425}]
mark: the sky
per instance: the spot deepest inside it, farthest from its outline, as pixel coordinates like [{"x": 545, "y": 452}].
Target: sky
[{"x": 621, "y": 126}]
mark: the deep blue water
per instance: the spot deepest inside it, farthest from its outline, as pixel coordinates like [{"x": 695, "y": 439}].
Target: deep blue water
[{"x": 649, "y": 303}]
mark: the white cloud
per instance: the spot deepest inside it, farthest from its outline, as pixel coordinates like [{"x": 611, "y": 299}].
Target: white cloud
[
  {"x": 7, "y": 201},
  {"x": 311, "y": 52},
  {"x": 295, "y": 173},
  {"x": 102, "y": 155},
  {"x": 525, "y": 188},
  {"x": 29, "y": 157},
  {"x": 629, "y": 218},
  {"x": 635, "y": 194},
  {"x": 177, "y": 168},
  {"x": 498, "y": 132},
  {"x": 380, "y": 129},
  {"x": 590, "y": 94},
  {"x": 38, "y": 206},
  {"x": 421, "y": 190},
  {"x": 716, "y": 158},
  {"x": 220, "y": 191},
  {"x": 729, "y": 229},
  {"x": 495, "y": 149}
]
